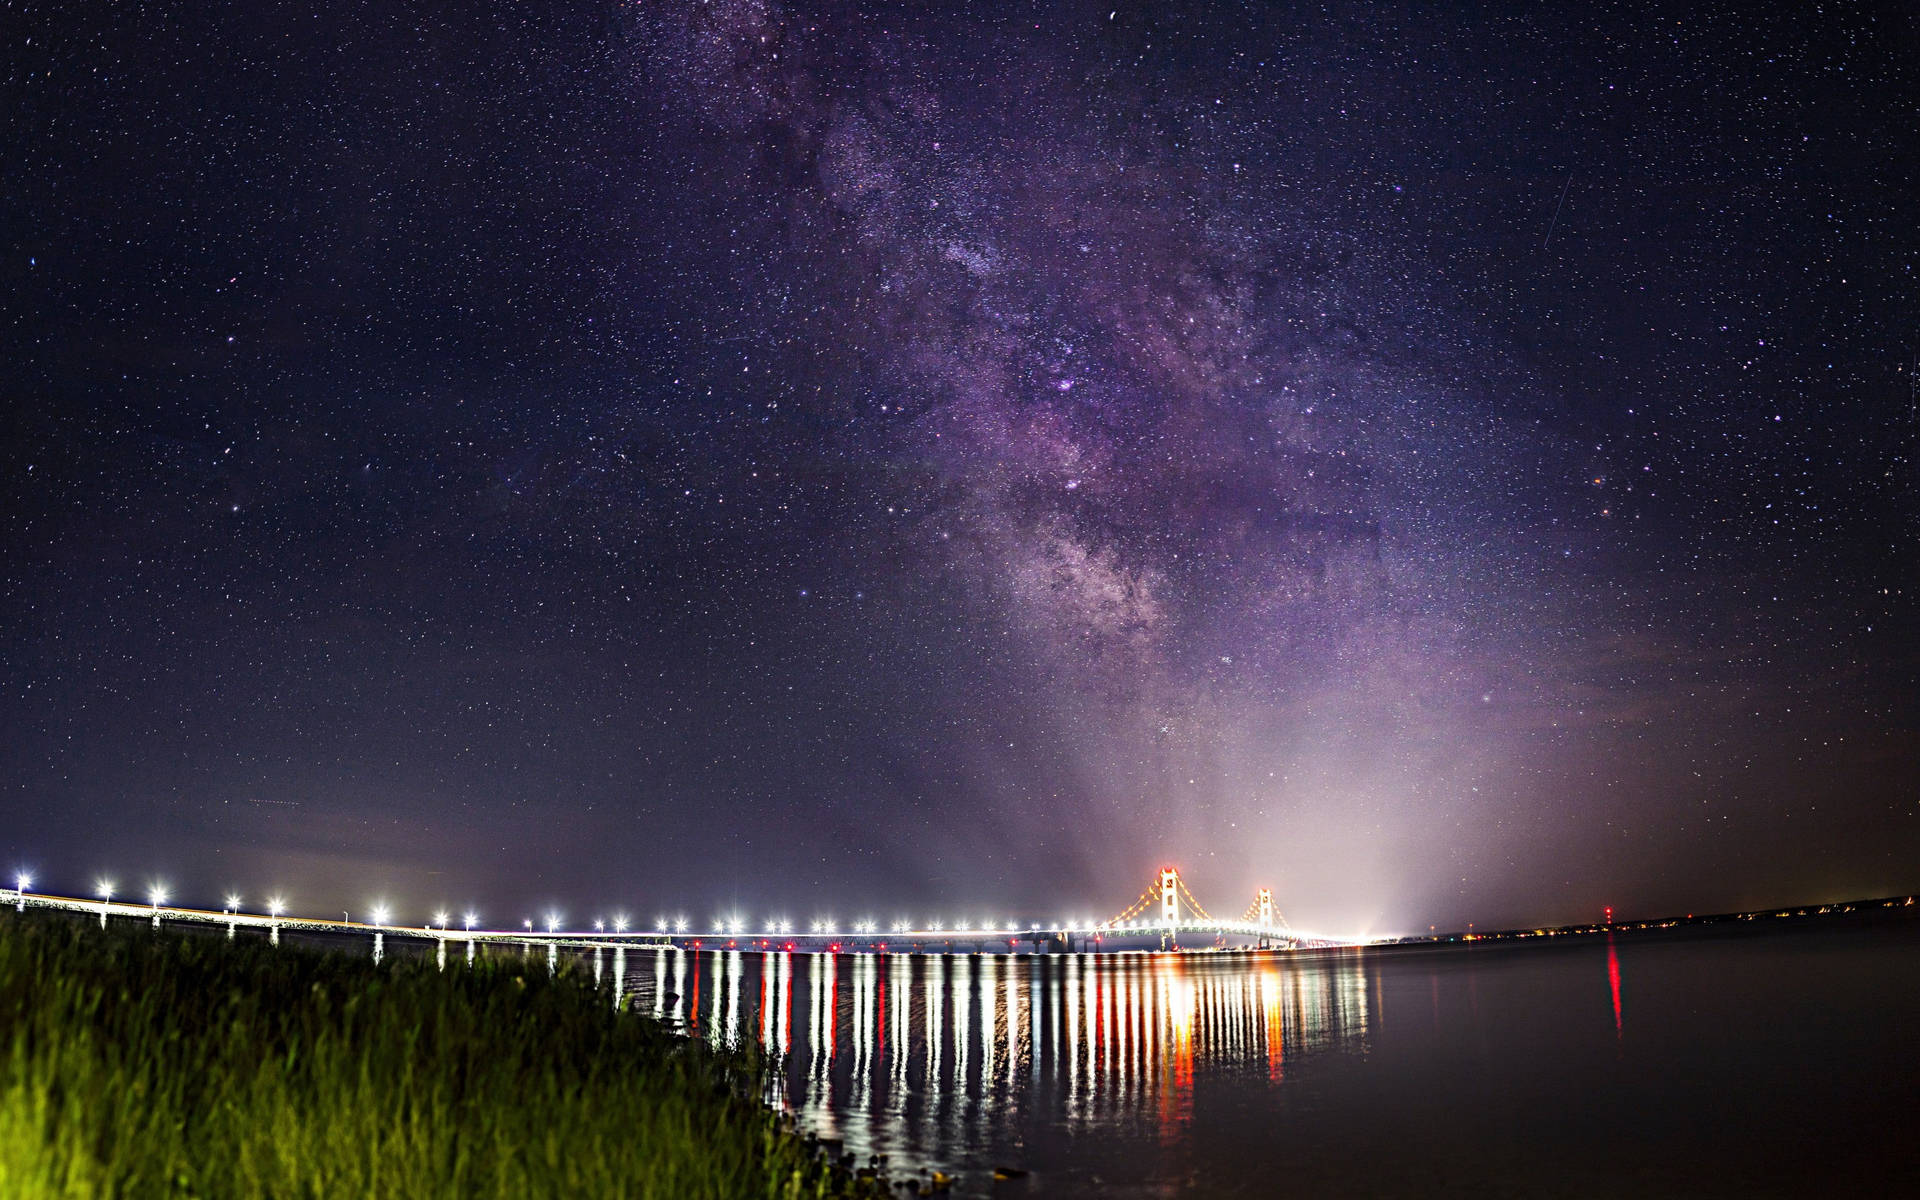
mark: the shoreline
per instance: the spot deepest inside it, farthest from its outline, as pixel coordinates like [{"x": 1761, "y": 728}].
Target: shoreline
[{"x": 145, "y": 1061}]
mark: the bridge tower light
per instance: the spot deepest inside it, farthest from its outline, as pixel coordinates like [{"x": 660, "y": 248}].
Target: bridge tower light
[
  {"x": 1169, "y": 897},
  {"x": 1265, "y": 896}
]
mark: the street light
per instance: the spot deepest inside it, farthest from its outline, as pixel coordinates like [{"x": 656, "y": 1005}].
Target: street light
[
  {"x": 157, "y": 895},
  {"x": 21, "y": 883},
  {"x": 379, "y": 915},
  {"x": 620, "y": 923},
  {"x": 469, "y": 922},
  {"x": 599, "y": 926},
  {"x": 233, "y": 904},
  {"x": 440, "y": 919},
  {"x": 553, "y": 921},
  {"x": 275, "y": 906}
]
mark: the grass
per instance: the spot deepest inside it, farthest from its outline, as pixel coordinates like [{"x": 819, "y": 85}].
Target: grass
[{"x": 140, "y": 1063}]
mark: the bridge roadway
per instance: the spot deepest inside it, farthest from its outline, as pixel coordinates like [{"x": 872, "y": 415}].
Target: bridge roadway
[{"x": 1069, "y": 939}]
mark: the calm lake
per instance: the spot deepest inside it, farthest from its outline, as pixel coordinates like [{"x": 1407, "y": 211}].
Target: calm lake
[{"x": 1765, "y": 1060}]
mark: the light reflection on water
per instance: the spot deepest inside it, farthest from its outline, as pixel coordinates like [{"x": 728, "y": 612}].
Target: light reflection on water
[
  {"x": 1743, "y": 1062},
  {"x": 938, "y": 1059},
  {"x": 1754, "y": 1061}
]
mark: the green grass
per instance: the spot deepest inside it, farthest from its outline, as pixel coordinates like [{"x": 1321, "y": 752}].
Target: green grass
[{"x": 140, "y": 1063}]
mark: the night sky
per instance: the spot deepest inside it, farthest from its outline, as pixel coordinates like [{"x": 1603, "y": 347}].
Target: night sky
[{"x": 947, "y": 460}]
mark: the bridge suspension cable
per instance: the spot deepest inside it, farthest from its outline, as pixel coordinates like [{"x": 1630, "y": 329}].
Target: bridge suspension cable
[
  {"x": 1260, "y": 912},
  {"x": 1191, "y": 902},
  {"x": 1138, "y": 906}
]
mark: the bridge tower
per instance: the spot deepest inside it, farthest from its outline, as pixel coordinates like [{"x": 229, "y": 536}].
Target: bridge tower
[
  {"x": 1264, "y": 898},
  {"x": 1169, "y": 904}
]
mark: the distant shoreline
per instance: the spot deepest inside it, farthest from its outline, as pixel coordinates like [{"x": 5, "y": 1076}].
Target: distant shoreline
[{"x": 1880, "y": 906}]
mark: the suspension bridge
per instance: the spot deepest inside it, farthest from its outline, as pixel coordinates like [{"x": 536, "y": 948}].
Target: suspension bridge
[{"x": 1164, "y": 916}]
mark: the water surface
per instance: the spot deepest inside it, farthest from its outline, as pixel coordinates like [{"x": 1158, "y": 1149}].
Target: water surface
[{"x": 1760, "y": 1062}]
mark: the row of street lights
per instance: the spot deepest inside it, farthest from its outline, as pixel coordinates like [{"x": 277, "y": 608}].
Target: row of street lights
[{"x": 381, "y": 916}]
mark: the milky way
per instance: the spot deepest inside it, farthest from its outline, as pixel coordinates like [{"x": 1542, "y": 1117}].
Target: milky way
[{"x": 778, "y": 456}]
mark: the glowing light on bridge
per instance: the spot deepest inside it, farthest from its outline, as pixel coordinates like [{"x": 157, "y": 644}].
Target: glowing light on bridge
[{"x": 1178, "y": 913}]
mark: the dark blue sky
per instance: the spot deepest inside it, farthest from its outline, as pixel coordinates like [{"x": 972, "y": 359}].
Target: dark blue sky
[{"x": 1446, "y": 467}]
